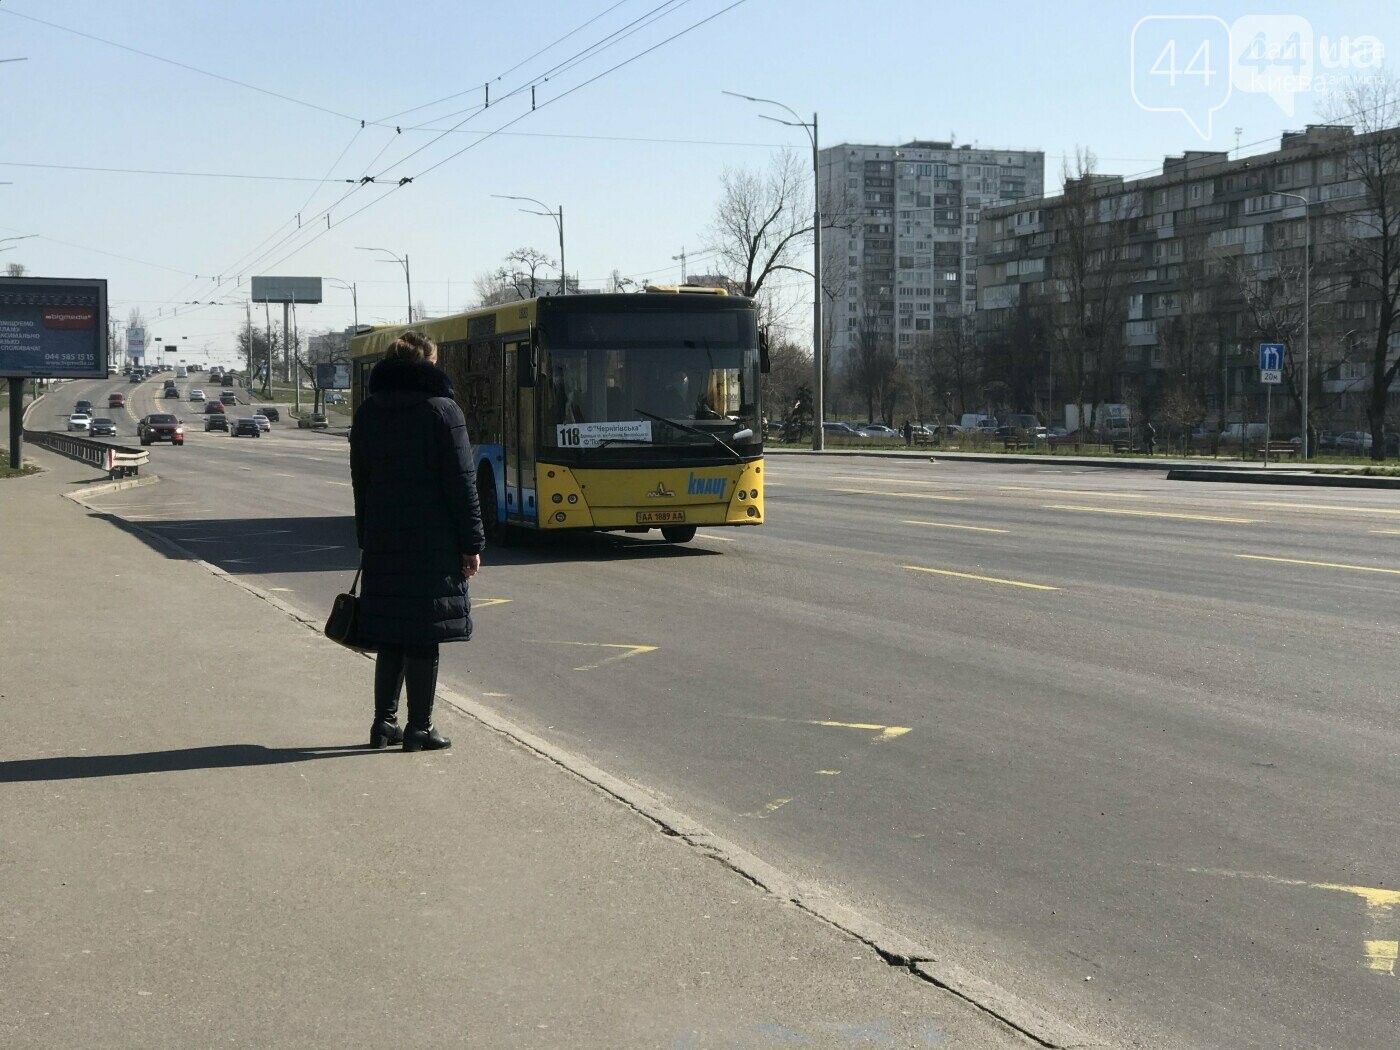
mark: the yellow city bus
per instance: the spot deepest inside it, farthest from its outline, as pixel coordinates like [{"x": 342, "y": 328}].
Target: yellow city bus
[{"x": 605, "y": 412}]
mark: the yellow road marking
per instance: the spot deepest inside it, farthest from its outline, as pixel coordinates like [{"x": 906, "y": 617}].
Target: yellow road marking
[
  {"x": 632, "y": 650},
  {"x": 345, "y": 484},
  {"x": 886, "y": 732},
  {"x": 721, "y": 539},
  {"x": 279, "y": 588},
  {"x": 906, "y": 495},
  {"x": 1150, "y": 514},
  {"x": 829, "y": 772},
  {"x": 1380, "y": 955},
  {"x": 1320, "y": 564},
  {"x": 1386, "y": 532},
  {"x": 776, "y": 804},
  {"x": 482, "y": 603},
  {"x": 949, "y": 525},
  {"x": 1072, "y": 492},
  {"x": 1330, "y": 506},
  {"x": 984, "y": 579}
]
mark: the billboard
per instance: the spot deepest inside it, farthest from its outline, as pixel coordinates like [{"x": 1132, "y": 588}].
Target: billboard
[
  {"x": 286, "y": 289},
  {"x": 331, "y": 376},
  {"x": 53, "y": 328},
  {"x": 136, "y": 343}
]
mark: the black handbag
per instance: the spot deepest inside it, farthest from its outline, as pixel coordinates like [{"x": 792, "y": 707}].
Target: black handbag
[{"x": 343, "y": 624}]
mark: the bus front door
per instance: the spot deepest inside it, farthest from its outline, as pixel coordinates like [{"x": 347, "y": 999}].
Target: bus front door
[{"x": 520, "y": 426}]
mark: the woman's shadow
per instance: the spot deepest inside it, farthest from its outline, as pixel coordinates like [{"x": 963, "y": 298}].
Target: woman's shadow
[{"x": 220, "y": 756}]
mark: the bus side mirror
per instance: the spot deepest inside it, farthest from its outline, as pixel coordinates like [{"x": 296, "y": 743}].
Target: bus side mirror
[{"x": 763, "y": 364}]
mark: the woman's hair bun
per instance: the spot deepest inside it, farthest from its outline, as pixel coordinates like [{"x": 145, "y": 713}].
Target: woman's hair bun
[{"x": 412, "y": 347}]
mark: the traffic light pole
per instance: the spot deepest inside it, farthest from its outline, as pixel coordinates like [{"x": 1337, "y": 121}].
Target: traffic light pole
[{"x": 16, "y": 422}]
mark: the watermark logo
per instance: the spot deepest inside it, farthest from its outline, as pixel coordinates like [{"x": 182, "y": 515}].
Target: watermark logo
[{"x": 1192, "y": 64}]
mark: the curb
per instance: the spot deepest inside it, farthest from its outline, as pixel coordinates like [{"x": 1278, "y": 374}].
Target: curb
[
  {"x": 891, "y": 946},
  {"x": 1261, "y": 477},
  {"x": 111, "y": 486}
]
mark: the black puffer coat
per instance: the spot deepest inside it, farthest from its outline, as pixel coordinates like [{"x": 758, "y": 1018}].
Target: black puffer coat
[{"x": 416, "y": 509}]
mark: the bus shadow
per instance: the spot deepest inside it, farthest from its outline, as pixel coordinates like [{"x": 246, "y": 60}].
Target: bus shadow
[{"x": 528, "y": 548}]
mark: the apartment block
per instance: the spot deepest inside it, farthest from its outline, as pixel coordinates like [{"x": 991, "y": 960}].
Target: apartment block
[
  {"x": 1179, "y": 275},
  {"x": 901, "y": 253}
]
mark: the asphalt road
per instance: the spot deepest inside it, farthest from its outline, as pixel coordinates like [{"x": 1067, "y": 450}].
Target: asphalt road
[{"x": 1122, "y": 745}]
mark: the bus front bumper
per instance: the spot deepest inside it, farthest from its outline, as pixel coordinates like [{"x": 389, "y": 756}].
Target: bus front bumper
[{"x": 634, "y": 498}]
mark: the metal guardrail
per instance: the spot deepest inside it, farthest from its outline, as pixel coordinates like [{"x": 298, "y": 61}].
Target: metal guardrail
[{"x": 118, "y": 460}]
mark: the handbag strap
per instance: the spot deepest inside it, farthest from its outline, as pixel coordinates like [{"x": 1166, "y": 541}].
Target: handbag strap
[{"x": 355, "y": 584}]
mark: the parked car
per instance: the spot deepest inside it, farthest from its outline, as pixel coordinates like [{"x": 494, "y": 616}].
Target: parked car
[
  {"x": 271, "y": 413},
  {"x": 196, "y": 394},
  {"x": 213, "y": 407},
  {"x": 80, "y": 421},
  {"x": 1354, "y": 442},
  {"x": 333, "y": 398},
  {"x": 264, "y": 424},
  {"x": 841, "y": 430},
  {"x": 216, "y": 421},
  {"x": 245, "y": 427},
  {"x": 83, "y": 407},
  {"x": 879, "y": 430},
  {"x": 160, "y": 426},
  {"x": 116, "y": 400},
  {"x": 315, "y": 421},
  {"x": 103, "y": 425}
]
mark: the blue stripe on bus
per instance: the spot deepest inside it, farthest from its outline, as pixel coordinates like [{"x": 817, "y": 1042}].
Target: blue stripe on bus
[{"x": 493, "y": 456}]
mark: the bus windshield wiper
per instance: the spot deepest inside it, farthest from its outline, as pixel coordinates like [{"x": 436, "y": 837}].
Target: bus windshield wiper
[
  {"x": 693, "y": 430},
  {"x": 622, "y": 441}
]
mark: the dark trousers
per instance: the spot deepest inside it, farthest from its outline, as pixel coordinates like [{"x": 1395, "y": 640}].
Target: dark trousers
[{"x": 415, "y": 667}]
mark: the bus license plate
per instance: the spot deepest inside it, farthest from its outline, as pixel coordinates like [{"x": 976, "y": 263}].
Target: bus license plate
[{"x": 660, "y": 517}]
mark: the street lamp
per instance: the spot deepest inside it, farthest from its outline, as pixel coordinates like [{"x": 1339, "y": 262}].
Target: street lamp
[
  {"x": 557, "y": 216},
  {"x": 1307, "y": 308},
  {"x": 354, "y": 298},
  {"x": 402, "y": 262},
  {"x": 818, "y": 436}
]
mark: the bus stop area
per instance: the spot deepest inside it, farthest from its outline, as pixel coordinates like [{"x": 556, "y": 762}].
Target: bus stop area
[{"x": 199, "y": 850}]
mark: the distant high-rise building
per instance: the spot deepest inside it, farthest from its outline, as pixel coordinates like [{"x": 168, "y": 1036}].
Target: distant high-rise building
[{"x": 899, "y": 251}]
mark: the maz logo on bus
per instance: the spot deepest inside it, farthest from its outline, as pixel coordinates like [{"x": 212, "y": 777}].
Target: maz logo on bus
[{"x": 705, "y": 486}]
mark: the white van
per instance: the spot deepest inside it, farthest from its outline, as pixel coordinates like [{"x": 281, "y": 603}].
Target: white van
[{"x": 181, "y": 372}]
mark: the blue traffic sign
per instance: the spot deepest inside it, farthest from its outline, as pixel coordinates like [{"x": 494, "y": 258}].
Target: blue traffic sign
[{"x": 1270, "y": 357}]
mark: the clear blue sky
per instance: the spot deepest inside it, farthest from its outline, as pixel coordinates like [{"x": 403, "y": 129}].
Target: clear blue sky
[{"x": 1045, "y": 75}]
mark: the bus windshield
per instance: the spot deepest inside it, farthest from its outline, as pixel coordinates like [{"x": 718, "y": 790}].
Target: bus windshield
[{"x": 599, "y": 398}]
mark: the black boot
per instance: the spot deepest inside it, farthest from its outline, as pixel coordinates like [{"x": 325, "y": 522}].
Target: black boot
[
  {"x": 388, "y": 684},
  {"x": 420, "y": 676}
]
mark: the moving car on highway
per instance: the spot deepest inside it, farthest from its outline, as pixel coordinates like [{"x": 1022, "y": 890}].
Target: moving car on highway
[
  {"x": 217, "y": 421},
  {"x": 80, "y": 421},
  {"x": 160, "y": 426},
  {"x": 228, "y": 397},
  {"x": 84, "y": 407},
  {"x": 170, "y": 391},
  {"x": 213, "y": 408},
  {"x": 196, "y": 394},
  {"x": 271, "y": 413},
  {"x": 264, "y": 424},
  {"x": 116, "y": 400},
  {"x": 136, "y": 377},
  {"x": 104, "y": 426},
  {"x": 245, "y": 427}
]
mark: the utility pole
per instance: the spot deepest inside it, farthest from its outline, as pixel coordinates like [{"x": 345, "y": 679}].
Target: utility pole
[
  {"x": 267, "y": 377},
  {"x": 681, "y": 257},
  {"x": 296, "y": 363},
  {"x": 558, "y": 217},
  {"x": 1307, "y": 311}
]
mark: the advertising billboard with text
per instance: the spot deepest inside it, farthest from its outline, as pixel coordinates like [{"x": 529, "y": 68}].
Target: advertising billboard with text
[{"x": 53, "y": 328}]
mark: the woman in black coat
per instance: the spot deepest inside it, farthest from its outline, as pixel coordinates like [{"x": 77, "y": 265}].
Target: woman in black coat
[{"x": 420, "y": 533}]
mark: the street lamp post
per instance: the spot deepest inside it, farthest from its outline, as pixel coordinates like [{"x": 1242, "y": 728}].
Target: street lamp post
[
  {"x": 1307, "y": 310},
  {"x": 818, "y": 397},
  {"x": 406, "y": 279},
  {"x": 354, "y": 297},
  {"x": 558, "y": 217}
]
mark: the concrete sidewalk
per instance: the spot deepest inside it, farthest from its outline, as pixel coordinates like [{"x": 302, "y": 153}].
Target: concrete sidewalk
[{"x": 197, "y": 850}]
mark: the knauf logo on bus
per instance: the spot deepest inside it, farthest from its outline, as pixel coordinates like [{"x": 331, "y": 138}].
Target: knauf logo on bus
[{"x": 705, "y": 486}]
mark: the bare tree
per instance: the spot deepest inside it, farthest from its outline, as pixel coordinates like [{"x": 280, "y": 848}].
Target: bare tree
[
  {"x": 15, "y": 269},
  {"x": 762, "y": 222},
  {"x": 948, "y": 365},
  {"x": 790, "y": 370},
  {"x": 1372, "y": 105},
  {"x": 872, "y": 369},
  {"x": 520, "y": 278},
  {"x": 1087, "y": 306}
]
